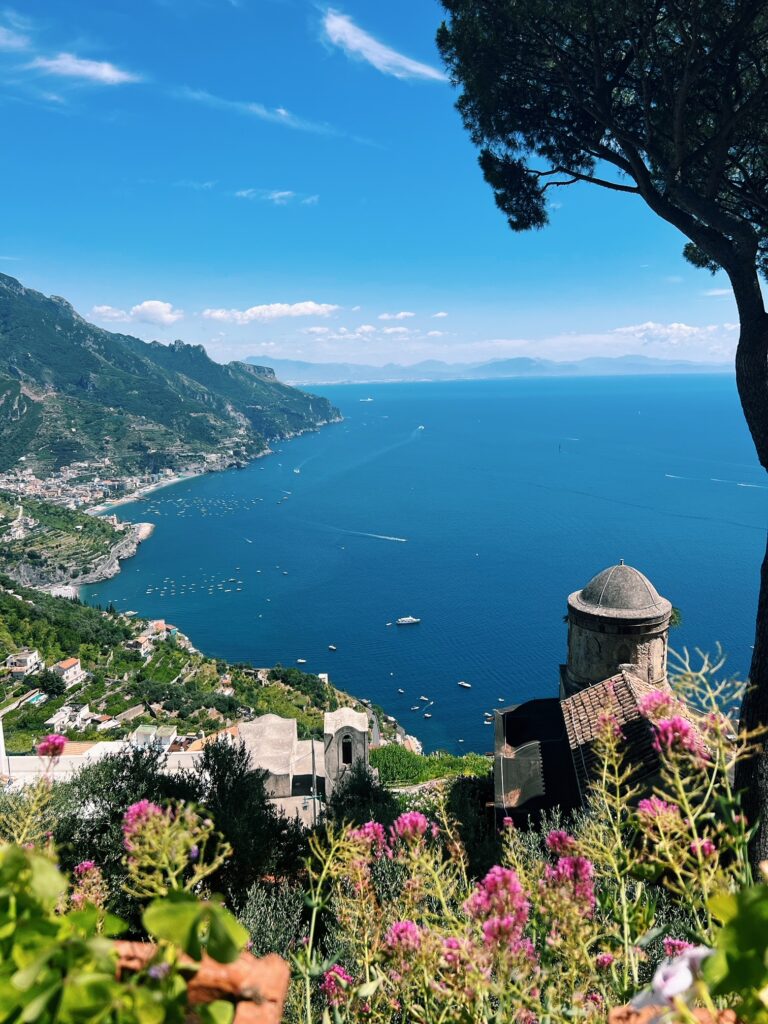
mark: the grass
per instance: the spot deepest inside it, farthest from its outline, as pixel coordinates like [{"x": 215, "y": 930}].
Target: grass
[{"x": 400, "y": 767}]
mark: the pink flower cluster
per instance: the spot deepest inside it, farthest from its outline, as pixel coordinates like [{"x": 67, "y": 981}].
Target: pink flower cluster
[
  {"x": 89, "y": 886},
  {"x": 334, "y": 985},
  {"x": 51, "y": 745},
  {"x": 84, "y": 867},
  {"x": 136, "y": 818},
  {"x": 657, "y": 702},
  {"x": 560, "y": 842},
  {"x": 653, "y": 808},
  {"x": 403, "y": 936},
  {"x": 500, "y": 903},
  {"x": 604, "y": 960},
  {"x": 705, "y": 847},
  {"x": 374, "y": 835},
  {"x": 412, "y": 826},
  {"x": 575, "y": 876},
  {"x": 675, "y": 947},
  {"x": 676, "y": 734}
]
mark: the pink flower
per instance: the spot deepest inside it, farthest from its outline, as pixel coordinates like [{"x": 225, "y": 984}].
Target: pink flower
[
  {"x": 84, "y": 867},
  {"x": 374, "y": 835},
  {"x": 604, "y": 960},
  {"x": 675, "y": 947},
  {"x": 574, "y": 875},
  {"x": 654, "y": 808},
  {"x": 657, "y": 702},
  {"x": 51, "y": 745},
  {"x": 402, "y": 936},
  {"x": 334, "y": 985},
  {"x": 500, "y": 902},
  {"x": 507, "y": 822},
  {"x": 676, "y": 733},
  {"x": 560, "y": 842},
  {"x": 410, "y": 826},
  {"x": 136, "y": 817},
  {"x": 705, "y": 847}
]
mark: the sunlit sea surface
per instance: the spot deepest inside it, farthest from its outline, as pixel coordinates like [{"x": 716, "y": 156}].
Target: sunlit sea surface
[{"x": 475, "y": 506}]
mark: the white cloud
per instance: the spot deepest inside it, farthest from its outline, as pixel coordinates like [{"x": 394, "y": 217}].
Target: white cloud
[
  {"x": 718, "y": 292},
  {"x": 396, "y": 330},
  {"x": 272, "y": 311},
  {"x": 435, "y": 334},
  {"x": 10, "y": 40},
  {"x": 358, "y": 44},
  {"x": 439, "y": 316},
  {"x": 366, "y": 329},
  {"x": 403, "y": 315},
  {"x": 151, "y": 311},
  {"x": 67, "y": 65},
  {"x": 274, "y": 115},
  {"x": 109, "y": 314},
  {"x": 673, "y": 334},
  {"x": 278, "y": 197},
  {"x": 317, "y": 330},
  {"x": 356, "y": 309},
  {"x": 196, "y": 186}
]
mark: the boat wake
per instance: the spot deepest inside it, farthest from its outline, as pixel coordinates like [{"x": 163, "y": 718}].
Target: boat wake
[{"x": 377, "y": 536}]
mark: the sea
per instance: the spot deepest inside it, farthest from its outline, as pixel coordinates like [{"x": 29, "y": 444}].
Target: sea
[{"x": 477, "y": 507}]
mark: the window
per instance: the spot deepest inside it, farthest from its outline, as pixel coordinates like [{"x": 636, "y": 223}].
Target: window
[{"x": 346, "y": 750}]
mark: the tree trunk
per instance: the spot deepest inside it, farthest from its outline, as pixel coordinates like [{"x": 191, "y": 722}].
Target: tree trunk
[{"x": 752, "y": 382}]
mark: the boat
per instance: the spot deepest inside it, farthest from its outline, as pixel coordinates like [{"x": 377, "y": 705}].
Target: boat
[
  {"x": 331, "y": 647},
  {"x": 467, "y": 686},
  {"x": 425, "y": 699},
  {"x": 389, "y": 623},
  {"x": 408, "y": 620},
  {"x": 301, "y": 661},
  {"x": 416, "y": 707},
  {"x": 488, "y": 721},
  {"x": 427, "y": 715},
  {"x": 399, "y": 690},
  {"x": 422, "y": 427},
  {"x": 366, "y": 399},
  {"x": 297, "y": 470}
]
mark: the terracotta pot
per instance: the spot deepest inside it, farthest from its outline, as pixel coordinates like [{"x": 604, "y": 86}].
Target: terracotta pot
[
  {"x": 257, "y": 986},
  {"x": 648, "y": 1014}
]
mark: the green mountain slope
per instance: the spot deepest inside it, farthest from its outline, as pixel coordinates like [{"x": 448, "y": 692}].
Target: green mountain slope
[{"x": 70, "y": 391}]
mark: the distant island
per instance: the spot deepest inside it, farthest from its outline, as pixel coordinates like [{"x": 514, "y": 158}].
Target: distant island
[{"x": 296, "y": 371}]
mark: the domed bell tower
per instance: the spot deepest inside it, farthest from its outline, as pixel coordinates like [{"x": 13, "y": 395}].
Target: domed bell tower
[{"x": 619, "y": 618}]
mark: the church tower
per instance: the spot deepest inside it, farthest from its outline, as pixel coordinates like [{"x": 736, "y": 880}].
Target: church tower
[{"x": 618, "y": 618}]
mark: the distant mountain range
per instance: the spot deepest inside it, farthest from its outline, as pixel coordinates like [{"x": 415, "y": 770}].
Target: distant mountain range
[
  {"x": 71, "y": 392},
  {"x": 295, "y": 371}
]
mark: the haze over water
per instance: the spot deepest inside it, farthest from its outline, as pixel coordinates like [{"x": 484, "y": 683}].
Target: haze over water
[{"x": 513, "y": 495}]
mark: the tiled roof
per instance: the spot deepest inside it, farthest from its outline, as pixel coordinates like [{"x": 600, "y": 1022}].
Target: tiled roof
[
  {"x": 620, "y": 696},
  {"x": 67, "y": 663}
]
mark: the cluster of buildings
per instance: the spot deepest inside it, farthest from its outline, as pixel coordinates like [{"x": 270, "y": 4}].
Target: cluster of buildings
[
  {"x": 618, "y": 638},
  {"x": 300, "y": 774}
]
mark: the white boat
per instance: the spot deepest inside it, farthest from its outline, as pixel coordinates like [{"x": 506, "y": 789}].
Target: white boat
[
  {"x": 331, "y": 647},
  {"x": 297, "y": 470},
  {"x": 366, "y": 399},
  {"x": 389, "y": 623},
  {"x": 427, "y": 715},
  {"x": 301, "y": 661},
  {"x": 425, "y": 699},
  {"x": 467, "y": 686},
  {"x": 422, "y": 427},
  {"x": 408, "y": 620},
  {"x": 416, "y": 707}
]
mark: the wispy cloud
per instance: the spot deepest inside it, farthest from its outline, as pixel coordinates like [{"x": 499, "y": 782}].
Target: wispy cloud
[
  {"x": 196, "y": 186},
  {"x": 274, "y": 115},
  {"x": 341, "y": 31},
  {"x": 718, "y": 293},
  {"x": 67, "y": 65},
  {"x": 278, "y": 197},
  {"x": 151, "y": 311},
  {"x": 272, "y": 311},
  {"x": 10, "y": 39},
  {"x": 402, "y": 315},
  {"x": 440, "y": 315}
]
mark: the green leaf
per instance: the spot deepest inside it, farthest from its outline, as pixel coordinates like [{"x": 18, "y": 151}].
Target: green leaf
[
  {"x": 723, "y": 906},
  {"x": 176, "y": 919},
  {"x": 226, "y": 936},
  {"x": 367, "y": 990},
  {"x": 46, "y": 881},
  {"x": 218, "y": 1012},
  {"x": 34, "y": 1009}
]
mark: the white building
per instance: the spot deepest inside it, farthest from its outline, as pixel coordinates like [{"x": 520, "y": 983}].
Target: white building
[
  {"x": 25, "y": 662},
  {"x": 70, "y": 670}
]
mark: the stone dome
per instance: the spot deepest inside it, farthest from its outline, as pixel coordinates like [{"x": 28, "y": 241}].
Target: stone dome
[{"x": 621, "y": 592}]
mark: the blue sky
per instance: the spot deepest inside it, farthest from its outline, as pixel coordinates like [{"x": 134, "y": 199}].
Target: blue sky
[{"x": 283, "y": 177}]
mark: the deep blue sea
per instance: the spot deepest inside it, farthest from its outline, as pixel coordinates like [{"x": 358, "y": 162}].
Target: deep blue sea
[{"x": 476, "y": 506}]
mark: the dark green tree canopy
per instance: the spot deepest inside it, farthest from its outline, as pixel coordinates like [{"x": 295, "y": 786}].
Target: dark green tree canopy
[{"x": 663, "y": 99}]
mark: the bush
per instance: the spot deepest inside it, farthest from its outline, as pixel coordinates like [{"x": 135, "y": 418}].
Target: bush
[{"x": 398, "y": 766}]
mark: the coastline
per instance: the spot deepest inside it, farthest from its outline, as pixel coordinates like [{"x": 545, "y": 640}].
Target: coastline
[{"x": 142, "y": 492}]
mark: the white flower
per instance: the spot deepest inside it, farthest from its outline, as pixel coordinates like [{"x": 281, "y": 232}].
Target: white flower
[{"x": 673, "y": 978}]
